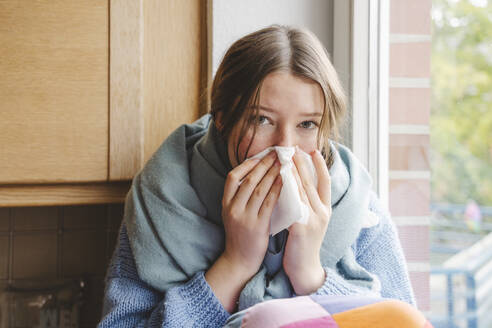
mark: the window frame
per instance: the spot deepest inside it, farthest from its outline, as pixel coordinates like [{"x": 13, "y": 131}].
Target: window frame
[{"x": 361, "y": 57}]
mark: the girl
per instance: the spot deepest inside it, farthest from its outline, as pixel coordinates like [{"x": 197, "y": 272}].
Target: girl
[{"x": 194, "y": 245}]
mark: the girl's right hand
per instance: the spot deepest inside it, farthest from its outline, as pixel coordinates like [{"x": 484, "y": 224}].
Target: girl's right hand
[{"x": 250, "y": 194}]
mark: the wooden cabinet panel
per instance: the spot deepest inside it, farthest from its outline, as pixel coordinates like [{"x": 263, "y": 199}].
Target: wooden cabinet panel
[
  {"x": 171, "y": 68},
  {"x": 89, "y": 89},
  {"x": 126, "y": 103},
  {"x": 159, "y": 71},
  {"x": 53, "y": 91}
]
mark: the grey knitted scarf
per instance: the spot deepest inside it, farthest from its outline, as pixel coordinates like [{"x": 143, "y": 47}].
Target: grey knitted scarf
[{"x": 173, "y": 215}]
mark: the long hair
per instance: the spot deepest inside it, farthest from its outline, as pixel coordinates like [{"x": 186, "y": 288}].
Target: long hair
[{"x": 237, "y": 83}]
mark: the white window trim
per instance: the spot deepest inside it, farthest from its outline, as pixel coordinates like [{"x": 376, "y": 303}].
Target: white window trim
[{"x": 361, "y": 57}]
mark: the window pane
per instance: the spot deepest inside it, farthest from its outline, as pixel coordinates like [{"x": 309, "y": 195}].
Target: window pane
[{"x": 461, "y": 161}]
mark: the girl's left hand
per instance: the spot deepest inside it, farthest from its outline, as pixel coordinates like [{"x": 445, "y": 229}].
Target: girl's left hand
[{"x": 301, "y": 260}]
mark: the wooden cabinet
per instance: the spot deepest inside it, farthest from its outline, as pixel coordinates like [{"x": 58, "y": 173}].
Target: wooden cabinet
[{"x": 89, "y": 90}]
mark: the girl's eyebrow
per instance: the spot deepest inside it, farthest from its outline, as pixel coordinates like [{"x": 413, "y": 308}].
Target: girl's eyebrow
[{"x": 267, "y": 109}]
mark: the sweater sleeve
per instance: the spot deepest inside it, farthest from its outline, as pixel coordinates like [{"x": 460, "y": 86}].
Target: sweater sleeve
[
  {"x": 130, "y": 302},
  {"x": 379, "y": 251}
]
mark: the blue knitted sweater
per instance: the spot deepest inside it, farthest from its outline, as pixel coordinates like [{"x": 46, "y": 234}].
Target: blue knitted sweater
[{"x": 130, "y": 302}]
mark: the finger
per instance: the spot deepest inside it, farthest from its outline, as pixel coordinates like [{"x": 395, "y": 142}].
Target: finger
[
  {"x": 234, "y": 178},
  {"x": 263, "y": 188},
  {"x": 307, "y": 181},
  {"x": 266, "y": 209},
  {"x": 249, "y": 183},
  {"x": 324, "y": 179}
]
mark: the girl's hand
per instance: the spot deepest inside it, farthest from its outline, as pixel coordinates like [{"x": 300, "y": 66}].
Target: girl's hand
[
  {"x": 301, "y": 260},
  {"x": 250, "y": 193}
]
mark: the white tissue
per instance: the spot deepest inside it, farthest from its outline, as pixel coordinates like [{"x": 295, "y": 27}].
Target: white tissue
[{"x": 289, "y": 208}]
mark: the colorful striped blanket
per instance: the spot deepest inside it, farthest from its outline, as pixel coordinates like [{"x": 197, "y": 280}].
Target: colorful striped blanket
[{"x": 330, "y": 312}]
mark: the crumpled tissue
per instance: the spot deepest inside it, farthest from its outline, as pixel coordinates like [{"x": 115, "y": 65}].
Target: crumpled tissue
[{"x": 289, "y": 208}]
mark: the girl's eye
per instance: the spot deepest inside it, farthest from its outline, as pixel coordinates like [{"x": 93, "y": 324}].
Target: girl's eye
[
  {"x": 308, "y": 125},
  {"x": 262, "y": 120}
]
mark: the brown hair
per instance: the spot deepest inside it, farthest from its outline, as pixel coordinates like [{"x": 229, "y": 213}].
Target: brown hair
[{"x": 237, "y": 83}]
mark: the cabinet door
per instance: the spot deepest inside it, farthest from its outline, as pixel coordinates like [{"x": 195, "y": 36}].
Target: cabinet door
[
  {"x": 159, "y": 69},
  {"x": 54, "y": 91}
]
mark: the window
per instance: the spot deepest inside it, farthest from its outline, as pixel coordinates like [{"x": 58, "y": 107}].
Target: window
[
  {"x": 419, "y": 77},
  {"x": 461, "y": 162}
]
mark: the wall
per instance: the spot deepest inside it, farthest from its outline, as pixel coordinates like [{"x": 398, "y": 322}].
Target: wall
[
  {"x": 52, "y": 244},
  {"x": 233, "y": 19},
  {"x": 409, "y": 111}
]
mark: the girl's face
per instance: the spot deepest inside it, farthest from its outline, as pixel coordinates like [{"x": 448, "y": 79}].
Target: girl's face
[{"x": 290, "y": 111}]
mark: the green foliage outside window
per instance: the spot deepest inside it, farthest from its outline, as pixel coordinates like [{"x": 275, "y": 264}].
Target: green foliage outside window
[{"x": 461, "y": 113}]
